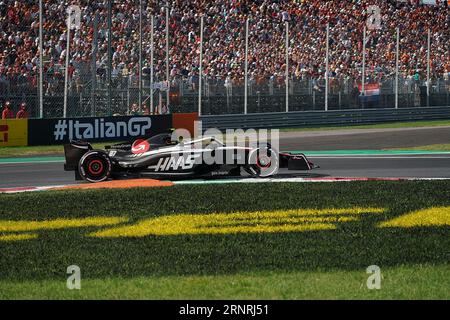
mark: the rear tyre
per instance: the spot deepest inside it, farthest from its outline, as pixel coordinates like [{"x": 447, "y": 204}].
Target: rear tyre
[{"x": 95, "y": 166}]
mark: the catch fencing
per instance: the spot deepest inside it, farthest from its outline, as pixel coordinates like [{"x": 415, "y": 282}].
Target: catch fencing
[{"x": 219, "y": 98}]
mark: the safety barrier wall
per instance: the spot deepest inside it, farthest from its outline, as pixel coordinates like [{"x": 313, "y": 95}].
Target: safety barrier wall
[
  {"x": 59, "y": 131},
  {"x": 22, "y": 132},
  {"x": 37, "y": 132},
  {"x": 323, "y": 118}
]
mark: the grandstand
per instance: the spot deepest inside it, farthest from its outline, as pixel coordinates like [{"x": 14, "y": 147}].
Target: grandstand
[{"x": 223, "y": 54}]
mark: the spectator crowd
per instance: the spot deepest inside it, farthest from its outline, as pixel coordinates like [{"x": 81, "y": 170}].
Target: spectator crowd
[{"x": 224, "y": 39}]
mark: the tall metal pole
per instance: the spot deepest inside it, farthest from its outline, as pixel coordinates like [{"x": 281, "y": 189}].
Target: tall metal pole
[
  {"x": 200, "y": 69},
  {"x": 246, "y": 69},
  {"x": 397, "y": 54},
  {"x": 287, "y": 66},
  {"x": 167, "y": 58},
  {"x": 151, "y": 63},
  {"x": 428, "y": 67},
  {"x": 109, "y": 55},
  {"x": 41, "y": 63},
  {"x": 140, "y": 55},
  {"x": 327, "y": 70},
  {"x": 94, "y": 64},
  {"x": 363, "y": 77},
  {"x": 66, "y": 76}
]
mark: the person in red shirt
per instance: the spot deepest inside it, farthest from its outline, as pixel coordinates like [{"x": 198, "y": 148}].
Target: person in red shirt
[
  {"x": 7, "y": 112},
  {"x": 22, "y": 114}
]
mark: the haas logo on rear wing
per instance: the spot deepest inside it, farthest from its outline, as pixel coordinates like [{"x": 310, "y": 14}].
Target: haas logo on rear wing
[{"x": 185, "y": 162}]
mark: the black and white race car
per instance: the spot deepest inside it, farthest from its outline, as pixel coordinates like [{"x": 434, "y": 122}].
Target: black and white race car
[{"x": 163, "y": 158}]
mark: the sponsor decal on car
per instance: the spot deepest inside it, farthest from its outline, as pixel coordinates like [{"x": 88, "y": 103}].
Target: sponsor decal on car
[
  {"x": 185, "y": 162},
  {"x": 140, "y": 146}
]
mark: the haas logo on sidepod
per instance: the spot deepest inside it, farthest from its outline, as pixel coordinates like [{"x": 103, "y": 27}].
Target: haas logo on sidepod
[
  {"x": 176, "y": 163},
  {"x": 140, "y": 146}
]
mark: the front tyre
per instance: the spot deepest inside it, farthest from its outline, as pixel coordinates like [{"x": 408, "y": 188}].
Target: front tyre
[
  {"x": 95, "y": 166},
  {"x": 263, "y": 163}
]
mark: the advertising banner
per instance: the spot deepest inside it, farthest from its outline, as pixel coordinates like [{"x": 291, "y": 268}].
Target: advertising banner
[
  {"x": 371, "y": 92},
  {"x": 60, "y": 131},
  {"x": 13, "y": 133}
]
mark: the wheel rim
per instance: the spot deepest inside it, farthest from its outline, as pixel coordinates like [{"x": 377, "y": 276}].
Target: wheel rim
[
  {"x": 265, "y": 165},
  {"x": 263, "y": 162},
  {"x": 95, "y": 167}
]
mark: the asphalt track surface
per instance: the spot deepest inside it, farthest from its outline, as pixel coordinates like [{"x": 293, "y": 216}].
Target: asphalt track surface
[
  {"x": 403, "y": 166},
  {"x": 359, "y": 139},
  {"x": 365, "y": 166}
]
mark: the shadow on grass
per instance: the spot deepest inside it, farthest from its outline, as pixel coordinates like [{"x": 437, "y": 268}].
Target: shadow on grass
[{"x": 352, "y": 246}]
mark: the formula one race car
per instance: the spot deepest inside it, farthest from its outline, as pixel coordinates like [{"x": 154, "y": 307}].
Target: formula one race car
[{"x": 163, "y": 158}]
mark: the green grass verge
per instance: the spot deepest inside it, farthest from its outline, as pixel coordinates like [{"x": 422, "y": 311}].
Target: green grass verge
[
  {"x": 431, "y": 147},
  {"x": 283, "y": 265},
  {"x": 396, "y": 283},
  {"x": 389, "y": 125}
]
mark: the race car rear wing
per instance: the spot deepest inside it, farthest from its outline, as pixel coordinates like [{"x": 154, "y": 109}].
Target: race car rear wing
[{"x": 73, "y": 153}]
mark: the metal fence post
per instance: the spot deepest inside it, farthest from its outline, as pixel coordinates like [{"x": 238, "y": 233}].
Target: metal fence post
[
  {"x": 140, "y": 56},
  {"x": 314, "y": 99},
  {"x": 246, "y": 68},
  {"x": 152, "y": 50},
  {"x": 428, "y": 67},
  {"x": 287, "y": 66},
  {"x": 94, "y": 65},
  {"x": 41, "y": 63},
  {"x": 340, "y": 99},
  {"x": 167, "y": 58},
  {"x": 109, "y": 56},
  {"x": 66, "y": 71},
  {"x": 327, "y": 67},
  {"x": 363, "y": 77},
  {"x": 200, "y": 72},
  {"x": 397, "y": 52}
]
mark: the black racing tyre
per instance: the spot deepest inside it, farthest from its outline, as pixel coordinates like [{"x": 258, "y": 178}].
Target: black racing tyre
[
  {"x": 263, "y": 163},
  {"x": 95, "y": 166}
]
